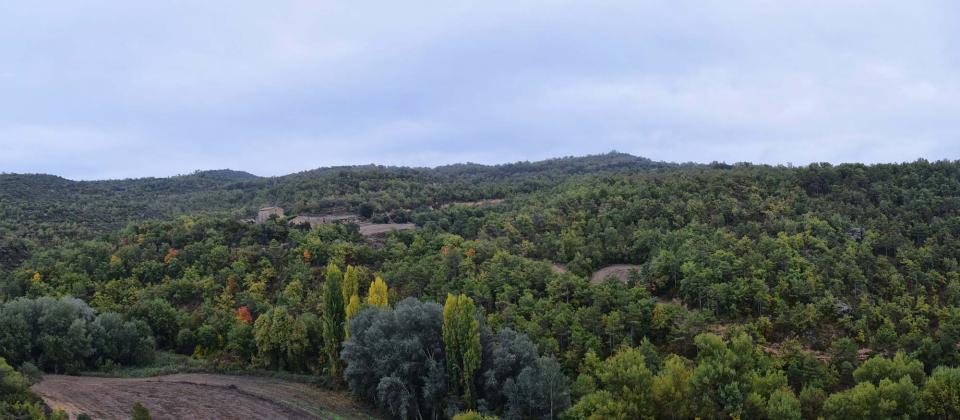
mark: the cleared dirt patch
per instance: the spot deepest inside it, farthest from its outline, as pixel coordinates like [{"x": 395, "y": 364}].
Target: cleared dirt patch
[
  {"x": 382, "y": 228},
  {"x": 196, "y": 396},
  {"x": 620, "y": 271},
  {"x": 487, "y": 202},
  {"x": 315, "y": 221}
]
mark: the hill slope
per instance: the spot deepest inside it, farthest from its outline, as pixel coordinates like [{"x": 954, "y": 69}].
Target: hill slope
[
  {"x": 822, "y": 286},
  {"x": 40, "y": 210}
]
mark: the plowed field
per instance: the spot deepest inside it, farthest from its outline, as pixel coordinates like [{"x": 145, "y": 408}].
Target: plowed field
[{"x": 196, "y": 396}]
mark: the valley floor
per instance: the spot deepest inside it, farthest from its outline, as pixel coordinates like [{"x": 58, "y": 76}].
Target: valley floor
[{"x": 198, "y": 396}]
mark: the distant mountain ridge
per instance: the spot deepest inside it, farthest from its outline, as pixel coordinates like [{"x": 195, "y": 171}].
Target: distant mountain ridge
[
  {"x": 611, "y": 160},
  {"x": 225, "y": 175}
]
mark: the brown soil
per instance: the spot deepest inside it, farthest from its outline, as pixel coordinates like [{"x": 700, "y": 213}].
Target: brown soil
[
  {"x": 196, "y": 396},
  {"x": 474, "y": 203},
  {"x": 315, "y": 221},
  {"x": 382, "y": 228},
  {"x": 774, "y": 349},
  {"x": 620, "y": 271}
]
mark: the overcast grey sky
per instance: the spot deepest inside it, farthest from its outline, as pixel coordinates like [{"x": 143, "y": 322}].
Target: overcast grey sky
[{"x": 106, "y": 89}]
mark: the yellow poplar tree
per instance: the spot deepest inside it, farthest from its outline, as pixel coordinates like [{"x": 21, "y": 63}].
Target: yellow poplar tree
[
  {"x": 350, "y": 288},
  {"x": 351, "y": 309},
  {"x": 351, "y": 283},
  {"x": 377, "y": 295}
]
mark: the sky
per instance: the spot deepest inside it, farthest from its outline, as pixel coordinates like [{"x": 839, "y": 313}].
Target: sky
[{"x": 116, "y": 89}]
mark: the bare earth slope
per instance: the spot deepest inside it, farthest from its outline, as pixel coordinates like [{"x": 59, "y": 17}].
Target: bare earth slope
[
  {"x": 196, "y": 396},
  {"x": 382, "y": 228},
  {"x": 620, "y": 271}
]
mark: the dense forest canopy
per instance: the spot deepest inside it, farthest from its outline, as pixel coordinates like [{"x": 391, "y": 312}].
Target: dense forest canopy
[
  {"x": 45, "y": 209},
  {"x": 756, "y": 291}
]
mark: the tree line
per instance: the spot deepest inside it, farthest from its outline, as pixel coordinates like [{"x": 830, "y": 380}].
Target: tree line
[{"x": 759, "y": 292}]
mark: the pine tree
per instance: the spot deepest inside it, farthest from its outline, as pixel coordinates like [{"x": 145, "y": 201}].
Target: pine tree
[{"x": 461, "y": 340}]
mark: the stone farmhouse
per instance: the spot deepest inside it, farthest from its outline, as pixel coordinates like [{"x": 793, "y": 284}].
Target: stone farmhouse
[{"x": 264, "y": 214}]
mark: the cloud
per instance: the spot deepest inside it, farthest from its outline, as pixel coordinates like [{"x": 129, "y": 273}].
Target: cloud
[{"x": 109, "y": 88}]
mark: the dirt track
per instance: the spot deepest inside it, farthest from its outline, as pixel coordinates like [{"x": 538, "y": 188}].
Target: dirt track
[
  {"x": 620, "y": 271},
  {"x": 382, "y": 228},
  {"x": 195, "y": 396}
]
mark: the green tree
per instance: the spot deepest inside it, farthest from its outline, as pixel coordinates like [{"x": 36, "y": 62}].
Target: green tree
[
  {"x": 121, "y": 342},
  {"x": 241, "y": 341},
  {"x": 670, "y": 389},
  {"x": 268, "y": 347},
  {"x": 878, "y": 367},
  {"x": 720, "y": 382},
  {"x": 334, "y": 318},
  {"x": 292, "y": 296},
  {"x": 472, "y": 415},
  {"x": 811, "y": 402},
  {"x": 162, "y": 318},
  {"x": 281, "y": 339},
  {"x": 783, "y": 405},
  {"x": 394, "y": 359},
  {"x": 505, "y": 356},
  {"x": 623, "y": 389},
  {"x": 461, "y": 339},
  {"x": 887, "y": 400},
  {"x": 540, "y": 390},
  {"x": 940, "y": 397},
  {"x": 11, "y": 382}
]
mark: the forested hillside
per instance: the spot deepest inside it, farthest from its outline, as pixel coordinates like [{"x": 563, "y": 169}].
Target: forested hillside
[
  {"x": 758, "y": 292},
  {"x": 47, "y": 210}
]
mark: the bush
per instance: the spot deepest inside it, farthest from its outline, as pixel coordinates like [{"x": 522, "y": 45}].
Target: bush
[
  {"x": 31, "y": 373},
  {"x": 139, "y": 412},
  {"x": 15, "y": 399},
  {"x": 186, "y": 341}
]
